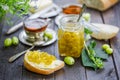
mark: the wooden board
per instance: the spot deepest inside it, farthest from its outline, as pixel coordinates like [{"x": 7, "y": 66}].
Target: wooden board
[
  {"x": 112, "y": 16},
  {"x": 16, "y": 70},
  {"x": 96, "y": 17}
]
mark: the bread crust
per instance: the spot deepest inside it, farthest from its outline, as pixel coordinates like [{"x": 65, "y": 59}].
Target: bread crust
[
  {"x": 106, "y": 31},
  {"x": 102, "y": 5},
  {"x": 41, "y": 71},
  {"x": 108, "y": 4}
]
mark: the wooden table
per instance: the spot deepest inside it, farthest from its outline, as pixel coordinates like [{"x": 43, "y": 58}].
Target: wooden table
[{"x": 16, "y": 70}]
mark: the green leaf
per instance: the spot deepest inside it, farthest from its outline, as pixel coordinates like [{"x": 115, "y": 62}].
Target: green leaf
[
  {"x": 101, "y": 54},
  {"x": 5, "y": 7},
  {"x": 93, "y": 44},
  {"x": 87, "y": 31},
  {"x": 86, "y": 60}
]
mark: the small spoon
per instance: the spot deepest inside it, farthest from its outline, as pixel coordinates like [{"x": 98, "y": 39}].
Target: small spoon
[
  {"x": 14, "y": 57},
  {"x": 80, "y": 15}
]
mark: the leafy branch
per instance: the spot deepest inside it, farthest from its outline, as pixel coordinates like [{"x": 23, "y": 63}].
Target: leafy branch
[
  {"x": 91, "y": 53},
  {"x": 18, "y": 7}
]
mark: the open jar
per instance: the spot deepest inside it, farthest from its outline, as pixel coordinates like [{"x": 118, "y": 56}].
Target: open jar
[{"x": 70, "y": 36}]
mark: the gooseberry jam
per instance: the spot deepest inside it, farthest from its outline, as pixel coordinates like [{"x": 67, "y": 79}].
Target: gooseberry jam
[
  {"x": 40, "y": 57},
  {"x": 70, "y": 37}
]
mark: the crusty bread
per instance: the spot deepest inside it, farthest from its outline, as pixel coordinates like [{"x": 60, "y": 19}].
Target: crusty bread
[
  {"x": 101, "y": 5},
  {"x": 41, "y": 68},
  {"x": 105, "y": 31}
]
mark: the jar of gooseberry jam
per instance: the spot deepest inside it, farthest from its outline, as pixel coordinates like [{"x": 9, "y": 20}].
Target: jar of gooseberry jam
[{"x": 70, "y": 36}]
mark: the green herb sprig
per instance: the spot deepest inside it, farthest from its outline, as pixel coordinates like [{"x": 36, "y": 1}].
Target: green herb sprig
[
  {"x": 92, "y": 56},
  {"x": 18, "y": 7},
  {"x": 91, "y": 53}
]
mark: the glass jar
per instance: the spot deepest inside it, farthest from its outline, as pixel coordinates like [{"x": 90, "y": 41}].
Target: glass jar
[
  {"x": 70, "y": 36},
  {"x": 34, "y": 29}
]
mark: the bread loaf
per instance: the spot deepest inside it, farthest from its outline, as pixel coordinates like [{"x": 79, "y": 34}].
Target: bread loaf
[{"x": 101, "y": 5}]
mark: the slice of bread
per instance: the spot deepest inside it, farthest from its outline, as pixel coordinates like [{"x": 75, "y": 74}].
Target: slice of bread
[
  {"x": 105, "y": 31},
  {"x": 101, "y": 5},
  {"x": 42, "y": 68}
]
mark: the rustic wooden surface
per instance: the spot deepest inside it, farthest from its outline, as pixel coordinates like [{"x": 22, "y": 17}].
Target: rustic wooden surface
[{"x": 16, "y": 70}]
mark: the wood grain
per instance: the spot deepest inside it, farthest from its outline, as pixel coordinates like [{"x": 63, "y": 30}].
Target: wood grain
[
  {"x": 75, "y": 72},
  {"x": 112, "y": 16},
  {"x": 96, "y": 17},
  {"x": 11, "y": 71}
]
